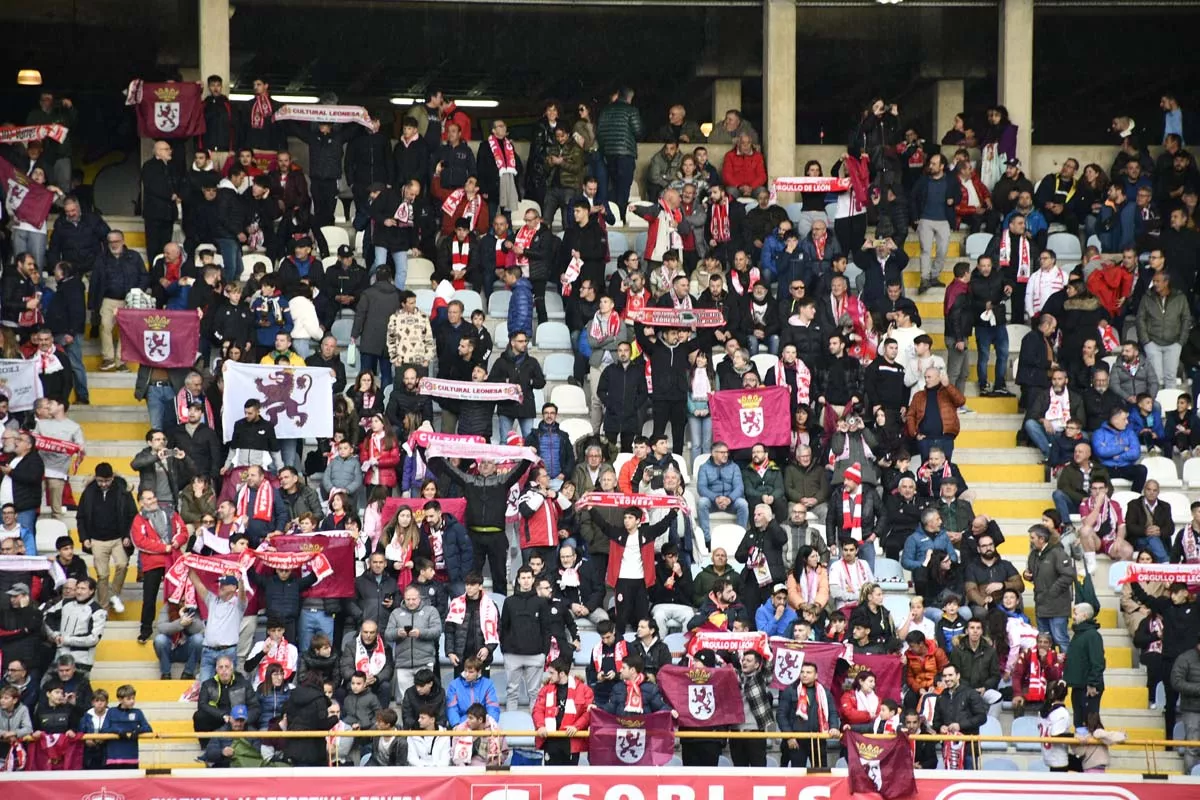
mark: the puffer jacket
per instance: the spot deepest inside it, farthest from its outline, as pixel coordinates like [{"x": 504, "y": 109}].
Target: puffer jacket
[
  {"x": 980, "y": 668},
  {"x": 623, "y": 394},
  {"x": 1053, "y": 581},
  {"x": 487, "y": 498},
  {"x": 618, "y": 129},
  {"x": 527, "y": 373},
  {"x": 457, "y": 551},
  {"x": 949, "y": 399},
  {"x": 523, "y": 624},
  {"x": 1116, "y": 448},
  {"x": 422, "y": 651},
  {"x": 714, "y": 481},
  {"x": 81, "y": 627},
  {"x": 1127, "y": 383},
  {"x": 410, "y": 338},
  {"x": 663, "y": 170},
  {"x": 570, "y": 173},
  {"x": 520, "y": 308},
  {"x": 1185, "y": 677},
  {"x": 343, "y": 473}
]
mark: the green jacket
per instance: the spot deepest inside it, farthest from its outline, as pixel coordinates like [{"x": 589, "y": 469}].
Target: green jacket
[
  {"x": 663, "y": 170},
  {"x": 618, "y": 129},
  {"x": 771, "y": 482},
  {"x": 980, "y": 669},
  {"x": 570, "y": 172},
  {"x": 1085, "y": 657}
]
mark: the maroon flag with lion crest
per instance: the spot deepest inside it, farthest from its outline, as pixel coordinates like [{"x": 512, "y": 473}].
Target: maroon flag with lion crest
[
  {"x": 743, "y": 418},
  {"x": 172, "y": 110},
  {"x": 694, "y": 692},
  {"x": 880, "y": 766},
  {"x": 637, "y": 740},
  {"x": 158, "y": 338}
]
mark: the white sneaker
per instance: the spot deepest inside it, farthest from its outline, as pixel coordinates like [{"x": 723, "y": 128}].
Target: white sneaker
[
  {"x": 116, "y": 604},
  {"x": 965, "y": 410}
]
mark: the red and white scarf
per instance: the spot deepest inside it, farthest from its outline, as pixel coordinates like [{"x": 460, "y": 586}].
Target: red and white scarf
[
  {"x": 1156, "y": 627},
  {"x": 185, "y": 399},
  {"x": 46, "y": 363},
  {"x": 954, "y": 754},
  {"x": 642, "y": 501},
  {"x": 523, "y": 240},
  {"x": 753, "y": 276},
  {"x": 375, "y": 451},
  {"x": 620, "y": 650},
  {"x": 633, "y": 694},
  {"x": 570, "y": 275},
  {"x": 802, "y": 708},
  {"x": 604, "y": 327},
  {"x": 264, "y": 502},
  {"x": 819, "y": 243},
  {"x": 261, "y": 111},
  {"x": 1035, "y": 684},
  {"x": 1060, "y": 408},
  {"x": 1110, "y": 342},
  {"x": 371, "y": 663},
  {"x": 506, "y": 156},
  {"x": 276, "y": 653},
  {"x": 456, "y": 198},
  {"x": 478, "y": 451},
  {"x": 803, "y": 380},
  {"x": 1024, "y": 259},
  {"x": 852, "y": 514},
  {"x": 570, "y": 711},
  {"x": 854, "y": 576},
  {"x": 33, "y": 133},
  {"x": 489, "y": 616},
  {"x": 325, "y": 114},
  {"x": 720, "y": 221},
  {"x": 1191, "y": 548},
  {"x": 867, "y": 702},
  {"x": 462, "y": 390}
]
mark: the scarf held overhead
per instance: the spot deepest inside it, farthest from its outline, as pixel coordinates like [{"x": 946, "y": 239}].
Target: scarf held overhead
[
  {"x": 472, "y": 390},
  {"x": 333, "y": 115}
]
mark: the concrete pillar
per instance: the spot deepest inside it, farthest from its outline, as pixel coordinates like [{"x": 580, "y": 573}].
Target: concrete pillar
[
  {"x": 727, "y": 94},
  {"x": 214, "y": 40},
  {"x": 779, "y": 87},
  {"x": 947, "y": 101},
  {"x": 1015, "y": 83}
]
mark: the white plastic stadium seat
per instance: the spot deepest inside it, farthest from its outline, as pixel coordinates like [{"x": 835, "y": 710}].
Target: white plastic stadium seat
[
  {"x": 552, "y": 336},
  {"x": 558, "y": 366},
  {"x": 889, "y": 570},
  {"x": 470, "y": 299},
  {"x": 587, "y": 642},
  {"x": 1181, "y": 511},
  {"x": 1167, "y": 398},
  {"x": 500, "y": 336},
  {"x": 420, "y": 270},
  {"x": 518, "y": 721},
  {"x": 794, "y": 210},
  {"x": 329, "y": 261},
  {"x": 976, "y": 244},
  {"x": 897, "y": 606},
  {"x": 425, "y": 298},
  {"x": 617, "y": 245},
  {"x": 570, "y": 400},
  {"x": 47, "y": 533},
  {"x": 1025, "y": 726},
  {"x": 1116, "y": 572},
  {"x": 248, "y": 262},
  {"x": 728, "y": 536},
  {"x": 498, "y": 304},
  {"x": 1065, "y": 246},
  {"x": 576, "y": 429},
  {"x": 1124, "y": 497},
  {"x": 1162, "y": 470},
  {"x": 992, "y": 728},
  {"x": 335, "y": 237},
  {"x": 340, "y": 330},
  {"x": 1191, "y": 473},
  {"x": 764, "y": 363}
]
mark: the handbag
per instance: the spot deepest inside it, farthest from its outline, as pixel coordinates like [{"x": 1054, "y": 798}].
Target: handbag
[{"x": 351, "y": 354}]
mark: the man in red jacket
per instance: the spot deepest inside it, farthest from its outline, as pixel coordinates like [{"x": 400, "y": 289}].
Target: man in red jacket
[
  {"x": 562, "y": 705},
  {"x": 1111, "y": 284},
  {"x": 744, "y": 169},
  {"x": 159, "y": 535}
]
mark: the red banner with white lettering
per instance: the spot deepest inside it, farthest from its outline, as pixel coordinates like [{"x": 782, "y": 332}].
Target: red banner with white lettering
[
  {"x": 742, "y": 418},
  {"x": 634, "y": 740},
  {"x": 159, "y": 338},
  {"x": 693, "y": 692},
  {"x": 590, "y": 783}
]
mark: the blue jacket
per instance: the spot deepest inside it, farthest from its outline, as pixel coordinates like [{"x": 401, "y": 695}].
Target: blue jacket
[
  {"x": 1116, "y": 448},
  {"x": 723, "y": 481},
  {"x": 269, "y": 310},
  {"x": 113, "y": 277},
  {"x": 764, "y": 619},
  {"x": 1117, "y": 227},
  {"x": 919, "y": 543},
  {"x": 461, "y": 695},
  {"x": 1154, "y": 421},
  {"x": 652, "y": 699},
  {"x": 520, "y": 308},
  {"x": 772, "y": 247},
  {"x": 1035, "y": 223},
  {"x": 557, "y": 454},
  {"x": 125, "y": 723}
]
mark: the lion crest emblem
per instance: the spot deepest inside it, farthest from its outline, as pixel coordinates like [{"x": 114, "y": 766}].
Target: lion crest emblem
[{"x": 284, "y": 394}]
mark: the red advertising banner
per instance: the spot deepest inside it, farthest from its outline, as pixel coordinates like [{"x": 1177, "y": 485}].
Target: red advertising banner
[
  {"x": 455, "y": 506},
  {"x": 159, "y": 338},
  {"x": 693, "y": 692},
  {"x": 334, "y": 565},
  {"x": 635, "y": 740},
  {"x": 743, "y": 418},
  {"x": 591, "y": 783},
  {"x": 173, "y": 110}
]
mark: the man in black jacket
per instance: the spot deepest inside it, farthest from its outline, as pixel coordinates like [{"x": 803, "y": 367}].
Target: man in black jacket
[
  {"x": 959, "y": 710},
  {"x": 494, "y": 252},
  {"x": 198, "y": 441},
  {"x": 233, "y": 215},
  {"x": 118, "y": 270},
  {"x": 368, "y": 160},
  {"x": 325, "y": 146},
  {"x": 375, "y": 593},
  {"x": 345, "y": 279},
  {"x": 487, "y": 501},
  {"x": 221, "y": 124},
  {"x": 160, "y": 193},
  {"x": 78, "y": 237},
  {"x": 410, "y": 157},
  {"x": 25, "y": 472},
  {"x": 884, "y": 380},
  {"x": 105, "y": 515},
  {"x": 988, "y": 288},
  {"x": 1037, "y": 356},
  {"x": 669, "y": 363},
  {"x": 524, "y": 638},
  {"x": 515, "y": 365},
  {"x": 327, "y": 356},
  {"x": 622, "y": 392}
]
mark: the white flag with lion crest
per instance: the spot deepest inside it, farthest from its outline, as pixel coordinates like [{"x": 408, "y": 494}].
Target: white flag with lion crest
[{"x": 298, "y": 401}]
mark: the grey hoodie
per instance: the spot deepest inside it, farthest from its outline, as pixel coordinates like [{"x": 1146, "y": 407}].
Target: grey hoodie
[{"x": 419, "y": 652}]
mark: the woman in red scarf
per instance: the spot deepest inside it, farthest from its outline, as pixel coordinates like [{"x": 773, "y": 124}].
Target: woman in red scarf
[
  {"x": 402, "y": 537},
  {"x": 380, "y": 454}
]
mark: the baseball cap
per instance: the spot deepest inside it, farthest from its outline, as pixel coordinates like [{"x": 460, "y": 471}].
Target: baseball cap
[
  {"x": 18, "y": 588},
  {"x": 239, "y": 712},
  {"x": 227, "y": 580},
  {"x": 345, "y": 250},
  {"x": 1013, "y": 162},
  {"x": 779, "y": 587}
]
